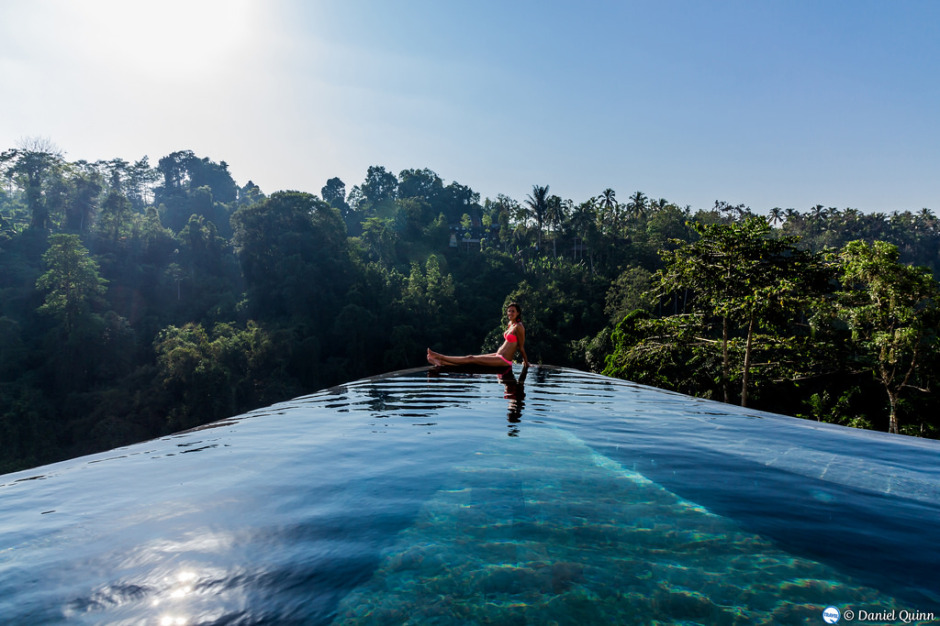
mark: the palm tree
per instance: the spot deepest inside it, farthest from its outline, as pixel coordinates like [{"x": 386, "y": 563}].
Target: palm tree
[
  {"x": 878, "y": 223},
  {"x": 927, "y": 219},
  {"x": 819, "y": 212},
  {"x": 583, "y": 219},
  {"x": 638, "y": 205},
  {"x": 555, "y": 214},
  {"x": 659, "y": 205},
  {"x": 609, "y": 207},
  {"x": 537, "y": 202},
  {"x": 776, "y": 216}
]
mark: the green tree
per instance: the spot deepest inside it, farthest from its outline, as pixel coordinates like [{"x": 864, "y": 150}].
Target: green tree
[
  {"x": 293, "y": 253},
  {"x": 250, "y": 194},
  {"x": 71, "y": 281},
  {"x": 609, "y": 210},
  {"x": 674, "y": 352},
  {"x": 555, "y": 214},
  {"x": 214, "y": 375},
  {"x": 182, "y": 194},
  {"x": 334, "y": 194},
  {"x": 379, "y": 239},
  {"x": 115, "y": 218},
  {"x": 206, "y": 259},
  {"x": 638, "y": 205},
  {"x": 891, "y": 309},
  {"x": 138, "y": 185},
  {"x": 440, "y": 288},
  {"x": 34, "y": 164},
  {"x": 537, "y": 203},
  {"x": 420, "y": 184},
  {"x": 85, "y": 189},
  {"x": 505, "y": 209},
  {"x": 456, "y": 199},
  {"x": 583, "y": 223},
  {"x": 627, "y": 293},
  {"x": 748, "y": 280},
  {"x": 379, "y": 190}
]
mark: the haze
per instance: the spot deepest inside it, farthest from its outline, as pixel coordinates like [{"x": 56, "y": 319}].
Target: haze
[{"x": 787, "y": 104}]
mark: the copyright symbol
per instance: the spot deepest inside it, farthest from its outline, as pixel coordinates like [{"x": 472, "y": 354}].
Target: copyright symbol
[{"x": 848, "y": 614}]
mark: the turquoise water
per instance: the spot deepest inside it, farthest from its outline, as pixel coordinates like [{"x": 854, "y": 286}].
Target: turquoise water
[{"x": 457, "y": 497}]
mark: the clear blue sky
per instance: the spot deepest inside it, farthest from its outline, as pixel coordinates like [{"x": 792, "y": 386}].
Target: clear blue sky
[{"x": 789, "y": 103}]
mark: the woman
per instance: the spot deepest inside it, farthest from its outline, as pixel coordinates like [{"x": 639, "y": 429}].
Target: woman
[{"x": 513, "y": 340}]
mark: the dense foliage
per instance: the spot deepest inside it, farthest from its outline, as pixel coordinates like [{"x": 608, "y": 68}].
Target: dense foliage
[
  {"x": 800, "y": 332},
  {"x": 139, "y": 300}
]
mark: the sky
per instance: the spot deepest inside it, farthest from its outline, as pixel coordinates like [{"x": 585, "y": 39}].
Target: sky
[{"x": 765, "y": 103}]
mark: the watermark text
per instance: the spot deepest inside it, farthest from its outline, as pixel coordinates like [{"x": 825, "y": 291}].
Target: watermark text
[{"x": 832, "y": 615}]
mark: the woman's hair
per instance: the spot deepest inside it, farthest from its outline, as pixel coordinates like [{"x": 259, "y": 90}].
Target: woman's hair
[{"x": 518, "y": 308}]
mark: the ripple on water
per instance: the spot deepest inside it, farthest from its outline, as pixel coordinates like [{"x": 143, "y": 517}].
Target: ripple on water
[{"x": 401, "y": 499}]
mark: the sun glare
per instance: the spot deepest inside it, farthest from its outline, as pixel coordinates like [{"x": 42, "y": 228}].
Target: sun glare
[{"x": 163, "y": 39}]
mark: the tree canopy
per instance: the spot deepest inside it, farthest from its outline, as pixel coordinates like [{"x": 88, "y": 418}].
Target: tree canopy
[{"x": 136, "y": 299}]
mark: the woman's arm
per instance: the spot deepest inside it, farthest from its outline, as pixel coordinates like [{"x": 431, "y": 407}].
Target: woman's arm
[{"x": 520, "y": 335}]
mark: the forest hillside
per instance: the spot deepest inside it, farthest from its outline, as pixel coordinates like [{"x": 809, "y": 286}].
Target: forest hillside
[{"x": 139, "y": 299}]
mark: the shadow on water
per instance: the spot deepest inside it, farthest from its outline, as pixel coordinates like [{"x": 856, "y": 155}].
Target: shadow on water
[{"x": 881, "y": 541}]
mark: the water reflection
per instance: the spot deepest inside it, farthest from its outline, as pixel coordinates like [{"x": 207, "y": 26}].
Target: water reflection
[
  {"x": 513, "y": 387},
  {"x": 514, "y": 391},
  {"x": 180, "y": 587}
]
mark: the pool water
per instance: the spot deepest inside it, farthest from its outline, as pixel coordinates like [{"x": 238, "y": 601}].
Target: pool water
[{"x": 467, "y": 497}]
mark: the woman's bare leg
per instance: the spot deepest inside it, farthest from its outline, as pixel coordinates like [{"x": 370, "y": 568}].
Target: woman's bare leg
[
  {"x": 491, "y": 360},
  {"x": 436, "y": 358}
]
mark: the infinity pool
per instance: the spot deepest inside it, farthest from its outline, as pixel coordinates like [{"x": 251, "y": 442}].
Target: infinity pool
[{"x": 460, "y": 497}]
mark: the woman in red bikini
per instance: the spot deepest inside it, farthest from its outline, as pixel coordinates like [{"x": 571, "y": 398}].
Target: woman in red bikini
[{"x": 513, "y": 339}]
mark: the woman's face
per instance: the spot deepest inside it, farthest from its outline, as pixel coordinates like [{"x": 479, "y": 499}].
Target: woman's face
[{"x": 512, "y": 313}]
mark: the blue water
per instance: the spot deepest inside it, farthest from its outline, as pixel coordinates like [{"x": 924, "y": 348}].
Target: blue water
[{"x": 455, "y": 497}]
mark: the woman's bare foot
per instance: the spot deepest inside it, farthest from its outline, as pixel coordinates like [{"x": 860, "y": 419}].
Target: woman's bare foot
[{"x": 434, "y": 358}]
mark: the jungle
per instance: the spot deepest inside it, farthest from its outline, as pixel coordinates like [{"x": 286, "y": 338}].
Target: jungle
[{"x": 141, "y": 299}]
